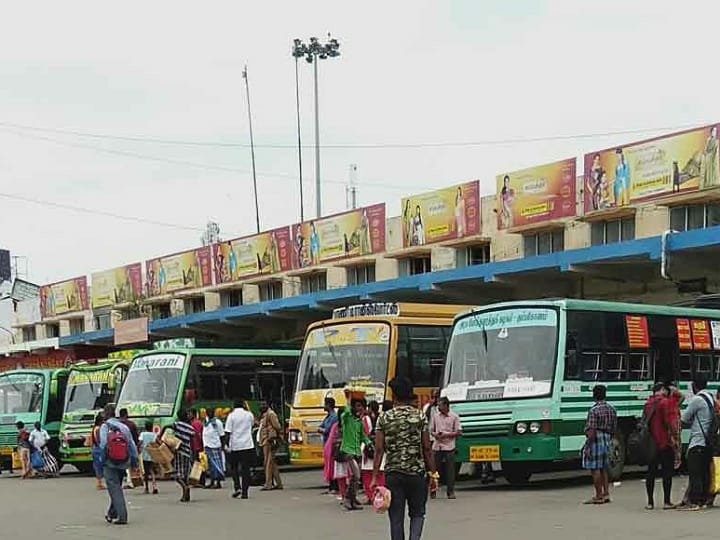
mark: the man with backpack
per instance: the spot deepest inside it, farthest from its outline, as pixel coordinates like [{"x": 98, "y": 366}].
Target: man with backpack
[
  {"x": 118, "y": 452},
  {"x": 700, "y": 417},
  {"x": 659, "y": 421}
]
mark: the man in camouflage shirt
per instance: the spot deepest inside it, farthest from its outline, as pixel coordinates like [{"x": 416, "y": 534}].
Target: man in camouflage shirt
[{"x": 402, "y": 436}]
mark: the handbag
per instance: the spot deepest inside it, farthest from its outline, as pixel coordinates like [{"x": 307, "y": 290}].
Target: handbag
[
  {"x": 195, "y": 473},
  {"x": 36, "y": 460},
  {"x": 171, "y": 441},
  {"x": 640, "y": 442}
]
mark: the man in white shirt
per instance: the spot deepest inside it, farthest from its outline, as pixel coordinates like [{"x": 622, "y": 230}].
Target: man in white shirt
[
  {"x": 238, "y": 426},
  {"x": 39, "y": 437}
]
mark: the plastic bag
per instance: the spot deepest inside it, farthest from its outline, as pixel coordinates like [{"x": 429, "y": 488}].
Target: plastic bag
[
  {"x": 36, "y": 460},
  {"x": 715, "y": 475},
  {"x": 195, "y": 473},
  {"x": 381, "y": 499},
  {"x": 202, "y": 457}
]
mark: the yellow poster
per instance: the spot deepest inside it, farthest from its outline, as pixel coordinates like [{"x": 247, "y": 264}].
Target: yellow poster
[
  {"x": 186, "y": 270},
  {"x": 350, "y": 234},
  {"x": 444, "y": 214},
  {"x": 265, "y": 253},
  {"x": 64, "y": 297},
  {"x": 116, "y": 286},
  {"x": 641, "y": 171},
  {"x": 537, "y": 194}
]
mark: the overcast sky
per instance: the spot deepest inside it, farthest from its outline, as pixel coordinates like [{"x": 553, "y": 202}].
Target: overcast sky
[{"x": 410, "y": 72}]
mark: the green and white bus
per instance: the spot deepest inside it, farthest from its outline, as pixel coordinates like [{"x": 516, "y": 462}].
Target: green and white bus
[
  {"x": 29, "y": 396},
  {"x": 160, "y": 383},
  {"x": 520, "y": 374},
  {"x": 90, "y": 386}
]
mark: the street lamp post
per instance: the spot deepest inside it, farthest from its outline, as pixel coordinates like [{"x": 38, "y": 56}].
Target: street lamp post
[
  {"x": 252, "y": 149},
  {"x": 296, "y": 44},
  {"x": 313, "y": 52}
]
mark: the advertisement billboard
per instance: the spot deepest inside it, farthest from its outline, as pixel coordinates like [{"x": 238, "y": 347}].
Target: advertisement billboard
[
  {"x": 444, "y": 214},
  {"x": 640, "y": 171},
  {"x": 269, "y": 252},
  {"x": 64, "y": 297},
  {"x": 350, "y": 234},
  {"x": 178, "y": 272},
  {"x": 116, "y": 286},
  {"x": 537, "y": 194}
]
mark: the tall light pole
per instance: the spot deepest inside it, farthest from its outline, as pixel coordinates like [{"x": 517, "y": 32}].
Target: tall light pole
[
  {"x": 252, "y": 149},
  {"x": 296, "y": 47},
  {"x": 313, "y": 52}
]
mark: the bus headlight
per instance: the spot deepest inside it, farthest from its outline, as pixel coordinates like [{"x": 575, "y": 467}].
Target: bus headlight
[
  {"x": 535, "y": 427},
  {"x": 521, "y": 428},
  {"x": 295, "y": 436}
]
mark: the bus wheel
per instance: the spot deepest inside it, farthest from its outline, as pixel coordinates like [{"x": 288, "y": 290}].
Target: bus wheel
[
  {"x": 616, "y": 457},
  {"x": 517, "y": 474}
]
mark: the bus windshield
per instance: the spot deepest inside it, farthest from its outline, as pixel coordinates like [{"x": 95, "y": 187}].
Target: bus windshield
[
  {"x": 152, "y": 385},
  {"x": 502, "y": 354},
  {"x": 88, "y": 391},
  {"x": 338, "y": 355},
  {"x": 20, "y": 393}
]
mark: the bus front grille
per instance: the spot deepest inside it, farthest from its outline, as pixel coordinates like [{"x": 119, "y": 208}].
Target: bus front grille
[{"x": 487, "y": 423}]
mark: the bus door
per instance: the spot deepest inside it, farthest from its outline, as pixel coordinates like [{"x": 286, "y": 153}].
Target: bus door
[
  {"x": 273, "y": 389},
  {"x": 56, "y": 397},
  {"x": 665, "y": 358}
]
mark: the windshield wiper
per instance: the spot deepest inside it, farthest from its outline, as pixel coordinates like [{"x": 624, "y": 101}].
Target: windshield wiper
[
  {"x": 330, "y": 346},
  {"x": 92, "y": 388},
  {"x": 484, "y": 330}
]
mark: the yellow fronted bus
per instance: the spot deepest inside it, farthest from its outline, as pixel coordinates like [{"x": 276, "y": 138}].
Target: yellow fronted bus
[{"x": 365, "y": 346}]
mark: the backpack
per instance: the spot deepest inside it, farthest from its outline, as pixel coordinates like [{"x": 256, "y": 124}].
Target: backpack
[
  {"x": 641, "y": 442},
  {"x": 712, "y": 436},
  {"x": 117, "y": 445}
]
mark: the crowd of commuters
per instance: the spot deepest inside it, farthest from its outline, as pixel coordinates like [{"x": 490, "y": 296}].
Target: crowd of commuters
[
  {"x": 370, "y": 447},
  {"x": 663, "y": 422}
]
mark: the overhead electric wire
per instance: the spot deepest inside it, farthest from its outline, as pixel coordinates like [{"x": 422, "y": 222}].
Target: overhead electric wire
[
  {"x": 11, "y": 128},
  {"x": 348, "y": 146},
  {"x": 84, "y": 210},
  {"x": 193, "y": 164}
]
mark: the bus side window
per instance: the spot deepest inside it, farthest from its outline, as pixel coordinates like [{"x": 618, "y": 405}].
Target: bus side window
[
  {"x": 704, "y": 365},
  {"x": 421, "y": 354},
  {"x": 640, "y": 367},
  {"x": 685, "y": 367},
  {"x": 572, "y": 365}
]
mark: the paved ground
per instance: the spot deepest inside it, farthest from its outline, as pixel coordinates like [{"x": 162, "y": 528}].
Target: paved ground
[{"x": 70, "y": 508}]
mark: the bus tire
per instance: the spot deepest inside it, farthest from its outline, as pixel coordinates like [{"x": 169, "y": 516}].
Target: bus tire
[
  {"x": 617, "y": 457},
  {"x": 517, "y": 474}
]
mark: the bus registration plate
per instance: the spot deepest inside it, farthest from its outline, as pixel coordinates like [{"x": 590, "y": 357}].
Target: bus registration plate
[
  {"x": 6, "y": 451},
  {"x": 485, "y": 453}
]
